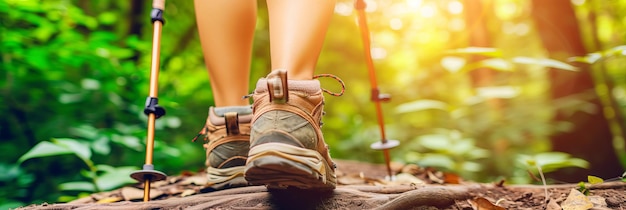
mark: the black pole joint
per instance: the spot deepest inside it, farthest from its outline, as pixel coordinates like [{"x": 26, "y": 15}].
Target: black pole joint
[
  {"x": 152, "y": 107},
  {"x": 377, "y": 96},
  {"x": 157, "y": 15}
]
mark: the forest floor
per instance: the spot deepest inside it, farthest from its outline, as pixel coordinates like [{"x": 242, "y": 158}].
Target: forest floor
[{"x": 361, "y": 186}]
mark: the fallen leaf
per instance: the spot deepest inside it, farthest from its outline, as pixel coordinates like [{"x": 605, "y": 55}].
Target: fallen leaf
[
  {"x": 576, "y": 201},
  {"x": 412, "y": 169},
  {"x": 110, "y": 200},
  {"x": 131, "y": 193},
  {"x": 450, "y": 178},
  {"x": 195, "y": 180},
  {"x": 552, "y": 205},
  {"x": 396, "y": 166},
  {"x": 434, "y": 178},
  {"x": 187, "y": 193},
  {"x": 163, "y": 182},
  {"x": 103, "y": 195},
  {"x": 481, "y": 203},
  {"x": 350, "y": 180},
  {"x": 404, "y": 178},
  {"x": 187, "y": 173}
]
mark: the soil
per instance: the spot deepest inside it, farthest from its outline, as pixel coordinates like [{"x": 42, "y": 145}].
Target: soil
[{"x": 361, "y": 186}]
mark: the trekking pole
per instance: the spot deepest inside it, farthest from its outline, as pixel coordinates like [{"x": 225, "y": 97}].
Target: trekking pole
[
  {"x": 376, "y": 97},
  {"x": 152, "y": 109}
]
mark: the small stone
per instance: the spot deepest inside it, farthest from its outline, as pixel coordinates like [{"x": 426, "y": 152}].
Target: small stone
[
  {"x": 597, "y": 201},
  {"x": 613, "y": 202}
]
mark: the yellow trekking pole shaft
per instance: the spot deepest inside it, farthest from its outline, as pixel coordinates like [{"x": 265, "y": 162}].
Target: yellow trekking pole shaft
[
  {"x": 148, "y": 175},
  {"x": 376, "y": 97}
]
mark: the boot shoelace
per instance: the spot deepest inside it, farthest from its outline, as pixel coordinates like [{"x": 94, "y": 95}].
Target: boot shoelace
[
  {"x": 340, "y": 93},
  {"x": 343, "y": 89},
  {"x": 343, "y": 85}
]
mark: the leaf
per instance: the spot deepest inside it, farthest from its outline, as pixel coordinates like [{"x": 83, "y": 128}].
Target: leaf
[
  {"x": 582, "y": 188},
  {"x": 471, "y": 166},
  {"x": 498, "y": 92},
  {"x": 128, "y": 141},
  {"x": 77, "y": 186},
  {"x": 544, "y": 62},
  {"x": 44, "y": 149},
  {"x": 552, "y": 205},
  {"x": 551, "y": 161},
  {"x": 131, "y": 193},
  {"x": 67, "y": 98},
  {"x": 90, "y": 84},
  {"x": 188, "y": 192},
  {"x": 107, "y": 18},
  {"x": 550, "y": 157},
  {"x": 437, "y": 142},
  {"x": 492, "y": 52},
  {"x": 101, "y": 146},
  {"x": 110, "y": 200},
  {"x": 595, "y": 180},
  {"x": 616, "y": 51},
  {"x": 84, "y": 131},
  {"x": 11, "y": 204},
  {"x": 114, "y": 177},
  {"x": 576, "y": 201},
  {"x": 497, "y": 64},
  {"x": 437, "y": 160},
  {"x": 8, "y": 172},
  {"x": 452, "y": 63},
  {"x": 589, "y": 58},
  {"x": 481, "y": 203},
  {"x": 421, "y": 105},
  {"x": 80, "y": 149}
]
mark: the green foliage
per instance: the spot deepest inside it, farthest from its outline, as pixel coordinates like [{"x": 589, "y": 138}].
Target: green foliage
[
  {"x": 453, "y": 123},
  {"x": 582, "y": 186},
  {"x": 448, "y": 150},
  {"x": 595, "y": 180},
  {"x": 595, "y": 57},
  {"x": 69, "y": 76},
  {"x": 551, "y": 161},
  {"x": 73, "y": 82},
  {"x": 102, "y": 177}
]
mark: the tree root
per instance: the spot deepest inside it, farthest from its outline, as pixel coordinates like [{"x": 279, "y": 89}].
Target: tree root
[{"x": 258, "y": 197}]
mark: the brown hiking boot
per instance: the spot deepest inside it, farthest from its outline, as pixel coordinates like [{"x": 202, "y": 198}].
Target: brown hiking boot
[
  {"x": 287, "y": 148},
  {"x": 227, "y": 141}
]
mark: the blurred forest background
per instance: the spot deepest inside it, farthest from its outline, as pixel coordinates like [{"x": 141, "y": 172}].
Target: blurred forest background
[{"x": 487, "y": 89}]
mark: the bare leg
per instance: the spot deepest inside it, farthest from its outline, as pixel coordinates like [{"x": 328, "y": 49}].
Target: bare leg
[
  {"x": 297, "y": 31},
  {"x": 226, "y": 29}
]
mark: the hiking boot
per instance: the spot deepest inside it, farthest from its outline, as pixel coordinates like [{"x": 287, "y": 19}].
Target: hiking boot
[
  {"x": 287, "y": 148},
  {"x": 227, "y": 141}
]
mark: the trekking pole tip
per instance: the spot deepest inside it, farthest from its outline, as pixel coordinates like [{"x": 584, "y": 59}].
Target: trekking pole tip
[
  {"x": 388, "y": 144},
  {"x": 148, "y": 174}
]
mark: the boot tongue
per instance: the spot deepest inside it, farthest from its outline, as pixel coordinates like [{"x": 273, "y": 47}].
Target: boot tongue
[{"x": 241, "y": 110}]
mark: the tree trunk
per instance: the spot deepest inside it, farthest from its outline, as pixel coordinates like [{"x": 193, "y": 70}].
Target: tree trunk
[
  {"x": 591, "y": 138},
  {"x": 479, "y": 36}
]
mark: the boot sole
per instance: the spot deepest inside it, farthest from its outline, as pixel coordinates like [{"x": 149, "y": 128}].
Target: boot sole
[
  {"x": 222, "y": 178},
  {"x": 281, "y": 166}
]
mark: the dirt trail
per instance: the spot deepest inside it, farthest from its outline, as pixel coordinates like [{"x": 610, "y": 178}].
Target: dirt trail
[{"x": 362, "y": 186}]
